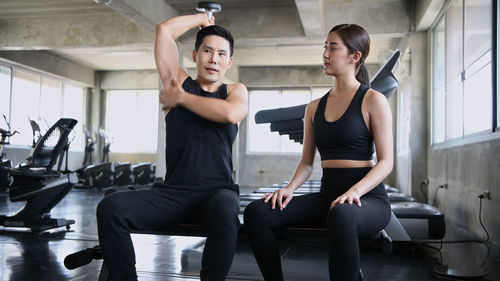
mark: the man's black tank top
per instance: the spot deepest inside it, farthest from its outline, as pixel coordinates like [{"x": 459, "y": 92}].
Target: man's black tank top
[
  {"x": 198, "y": 151},
  {"x": 348, "y": 137}
]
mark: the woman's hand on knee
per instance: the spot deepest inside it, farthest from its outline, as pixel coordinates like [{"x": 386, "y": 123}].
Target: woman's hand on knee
[
  {"x": 348, "y": 197},
  {"x": 282, "y": 196}
]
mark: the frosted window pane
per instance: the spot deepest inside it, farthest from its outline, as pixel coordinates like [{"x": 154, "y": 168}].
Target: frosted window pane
[
  {"x": 478, "y": 102},
  {"x": 477, "y": 29},
  {"x": 260, "y": 138},
  {"x": 132, "y": 120},
  {"x": 25, "y": 104},
  {"x": 50, "y": 102},
  {"x": 454, "y": 112},
  {"x": 4, "y": 94},
  {"x": 74, "y": 107},
  {"x": 295, "y": 97},
  {"x": 454, "y": 40},
  {"x": 439, "y": 98}
]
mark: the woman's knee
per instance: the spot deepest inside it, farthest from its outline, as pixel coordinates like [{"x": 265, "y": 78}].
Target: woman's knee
[
  {"x": 342, "y": 216},
  {"x": 255, "y": 212}
]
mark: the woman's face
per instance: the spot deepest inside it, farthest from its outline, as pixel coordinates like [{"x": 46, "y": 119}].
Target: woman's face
[{"x": 336, "y": 57}]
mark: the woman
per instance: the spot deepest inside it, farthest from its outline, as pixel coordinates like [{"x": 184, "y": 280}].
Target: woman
[{"x": 344, "y": 125}]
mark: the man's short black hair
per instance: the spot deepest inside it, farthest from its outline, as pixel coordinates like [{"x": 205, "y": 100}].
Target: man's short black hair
[{"x": 214, "y": 30}]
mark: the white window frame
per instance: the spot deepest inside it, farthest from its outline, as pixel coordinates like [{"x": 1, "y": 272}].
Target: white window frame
[{"x": 480, "y": 136}]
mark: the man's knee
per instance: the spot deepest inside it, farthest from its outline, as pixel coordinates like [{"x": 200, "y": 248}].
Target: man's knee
[
  {"x": 225, "y": 201},
  {"x": 108, "y": 207},
  {"x": 224, "y": 207}
]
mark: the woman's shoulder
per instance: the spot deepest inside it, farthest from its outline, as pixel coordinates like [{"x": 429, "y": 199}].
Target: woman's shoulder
[
  {"x": 312, "y": 107},
  {"x": 374, "y": 100},
  {"x": 313, "y": 104},
  {"x": 374, "y": 96}
]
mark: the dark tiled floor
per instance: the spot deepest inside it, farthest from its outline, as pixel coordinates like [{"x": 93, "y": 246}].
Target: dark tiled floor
[{"x": 28, "y": 256}]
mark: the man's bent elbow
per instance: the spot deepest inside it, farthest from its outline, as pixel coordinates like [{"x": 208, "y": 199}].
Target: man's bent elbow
[
  {"x": 159, "y": 28},
  {"x": 162, "y": 28},
  {"x": 235, "y": 117},
  {"x": 232, "y": 119}
]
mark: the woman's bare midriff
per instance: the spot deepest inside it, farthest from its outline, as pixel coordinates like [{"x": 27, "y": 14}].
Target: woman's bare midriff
[{"x": 347, "y": 163}]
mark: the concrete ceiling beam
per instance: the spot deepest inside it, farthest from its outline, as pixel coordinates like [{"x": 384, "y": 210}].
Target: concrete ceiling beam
[
  {"x": 70, "y": 31},
  {"x": 312, "y": 17},
  {"x": 377, "y": 17},
  {"x": 426, "y": 12},
  {"x": 144, "y": 16}
]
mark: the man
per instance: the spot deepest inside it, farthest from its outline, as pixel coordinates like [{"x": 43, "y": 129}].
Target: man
[{"x": 201, "y": 125}]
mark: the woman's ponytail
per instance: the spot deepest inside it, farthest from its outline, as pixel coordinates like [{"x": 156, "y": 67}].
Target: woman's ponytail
[{"x": 362, "y": 74}]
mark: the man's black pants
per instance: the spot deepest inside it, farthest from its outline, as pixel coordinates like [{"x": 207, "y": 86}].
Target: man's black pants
[{"x": 160, "y": 207}]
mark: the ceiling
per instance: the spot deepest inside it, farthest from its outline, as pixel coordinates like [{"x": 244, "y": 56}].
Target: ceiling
[{"x": 120, "y": 36}]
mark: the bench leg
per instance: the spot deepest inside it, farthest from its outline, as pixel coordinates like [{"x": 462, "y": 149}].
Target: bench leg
[{"x": 104, "y": 275}]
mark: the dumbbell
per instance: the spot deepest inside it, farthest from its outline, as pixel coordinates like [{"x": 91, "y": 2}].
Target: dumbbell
[{"x": 208, "y": 7}]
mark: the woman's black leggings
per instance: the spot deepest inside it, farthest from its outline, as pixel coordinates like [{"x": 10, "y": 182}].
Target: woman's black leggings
[
  {"x": 160, "y": 207},
  {"x": 346, "y": 223}
]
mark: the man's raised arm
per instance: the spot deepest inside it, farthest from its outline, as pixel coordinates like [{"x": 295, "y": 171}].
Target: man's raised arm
[{"x": 166, "y": 53}]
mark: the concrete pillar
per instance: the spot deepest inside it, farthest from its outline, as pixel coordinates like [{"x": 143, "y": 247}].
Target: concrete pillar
[{"x": 419, "y": 112}]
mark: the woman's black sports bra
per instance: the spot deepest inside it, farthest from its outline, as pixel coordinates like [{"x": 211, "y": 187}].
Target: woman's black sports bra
[{"x": 346, "y": 138}]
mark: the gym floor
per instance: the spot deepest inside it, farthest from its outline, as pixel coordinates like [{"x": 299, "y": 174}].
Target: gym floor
[{"x": 28, "y": 256}]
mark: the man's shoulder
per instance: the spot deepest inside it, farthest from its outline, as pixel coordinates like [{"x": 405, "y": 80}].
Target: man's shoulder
[{"x": 239, "y": 88}]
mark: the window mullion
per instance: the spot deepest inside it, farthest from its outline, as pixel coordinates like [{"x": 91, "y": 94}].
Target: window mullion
[{"x": 463, "y": 68}]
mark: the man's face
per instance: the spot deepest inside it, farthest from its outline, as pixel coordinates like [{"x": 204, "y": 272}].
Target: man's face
[{"x": 212, "y": 58}]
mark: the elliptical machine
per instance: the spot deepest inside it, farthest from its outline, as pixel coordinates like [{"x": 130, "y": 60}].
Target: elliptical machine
[
  {"x": 39, "y": 184},
  {"x": 37, "y": 133},
  {"x": 123, "y": 173},
  {"x": 5, "y": 178},
  {"x": 97, "y": 175},
  {"x": 89, "y": 148}
]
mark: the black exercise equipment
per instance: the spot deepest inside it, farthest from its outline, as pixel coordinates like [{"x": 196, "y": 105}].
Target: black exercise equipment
[
  {"x": 37, "y": 134},
  {"x": 5, "y": 178},
  {"x": 208, "y": 7},
  {"x": 89, "y": 147},
  {"x": 144, "y": 173},
  {"x": 106, "y": 143},
  {"x": 421, "y": 221},
  {"x": 384, "y": 80},
  {"x": 39, "y": 184},
  {"x": 83, "y": 257},
  {"x": 288, "y": 125},
  {"x": 106, "y": 174},
  {"x": 281, "y": 114},
  {"x": 98, "y": 175},
  {"x": 124, "y": 174}
]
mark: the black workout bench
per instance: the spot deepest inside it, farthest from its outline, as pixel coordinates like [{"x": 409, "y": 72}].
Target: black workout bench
[{"x": 84, "y": 257}]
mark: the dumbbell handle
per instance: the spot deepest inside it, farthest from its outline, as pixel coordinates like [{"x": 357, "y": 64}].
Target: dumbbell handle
[{"x": 209, "y": 14}]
